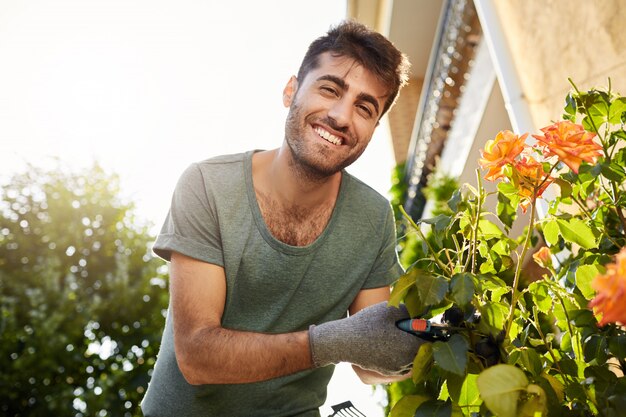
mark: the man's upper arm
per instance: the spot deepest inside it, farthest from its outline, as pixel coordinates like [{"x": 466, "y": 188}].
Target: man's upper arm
[
  {"x": 367, "y": 297},
  {"x": 198, "y": 294},
  {"x": 206, "y": 352}
]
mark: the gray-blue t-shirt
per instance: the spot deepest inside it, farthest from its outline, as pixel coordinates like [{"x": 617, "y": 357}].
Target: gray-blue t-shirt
[{"x": 272, "y": 287}]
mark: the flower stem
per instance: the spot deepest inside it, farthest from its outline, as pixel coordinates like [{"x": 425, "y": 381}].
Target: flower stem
[
  {"x": 518, "y": 270},
  {"x": 547, "y": 344},
  {"x": 618, "y": 209},
  {"x": 479, "y": 207},
  {"x": 421, "y": 235},
  {"x": 578, "y": 351}
]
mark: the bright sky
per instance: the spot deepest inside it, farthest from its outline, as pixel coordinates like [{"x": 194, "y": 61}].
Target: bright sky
[{"x": 145, "y": 87}]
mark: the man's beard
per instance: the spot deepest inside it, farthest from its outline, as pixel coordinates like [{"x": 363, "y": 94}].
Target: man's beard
[{"x": 309, "y": 160}]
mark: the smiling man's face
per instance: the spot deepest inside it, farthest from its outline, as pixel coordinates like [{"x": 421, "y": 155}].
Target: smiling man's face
[{"x": 332, "y": 114}]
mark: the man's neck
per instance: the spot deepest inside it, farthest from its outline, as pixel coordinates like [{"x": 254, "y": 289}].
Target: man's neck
[
  {"x": 276, "y": 173},
  {"x": 295, "y": 208}
]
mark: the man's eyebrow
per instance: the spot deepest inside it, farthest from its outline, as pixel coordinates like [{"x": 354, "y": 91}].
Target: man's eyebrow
[
  {"x": 370, "y": 99},
  {"x": 339, "y": 81},
  {"x": 344, "y": 86}
]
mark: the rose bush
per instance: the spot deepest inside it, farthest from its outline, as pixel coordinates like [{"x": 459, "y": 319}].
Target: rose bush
[{"x": 524, "y": 343}]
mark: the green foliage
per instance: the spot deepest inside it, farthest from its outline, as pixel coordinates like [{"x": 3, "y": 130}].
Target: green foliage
[
  {"x": 81, "y": 298},
  {"x": 522, "y": 348},
  {"x": 500, "y": 387}
]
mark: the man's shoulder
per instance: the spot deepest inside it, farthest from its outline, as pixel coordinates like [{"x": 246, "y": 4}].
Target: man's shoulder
[
  {"x": 223, "y": 169},
  {"x": 363, "y": 193},
  {"x": 223, "y": 159},
  {"x": 222, "y": 166}
]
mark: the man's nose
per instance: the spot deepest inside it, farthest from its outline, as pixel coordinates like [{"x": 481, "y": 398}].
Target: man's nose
[{"x": 341, "y": 112}]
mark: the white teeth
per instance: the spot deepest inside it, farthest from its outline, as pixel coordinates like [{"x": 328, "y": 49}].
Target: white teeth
[{"x": 328, "y": 136}]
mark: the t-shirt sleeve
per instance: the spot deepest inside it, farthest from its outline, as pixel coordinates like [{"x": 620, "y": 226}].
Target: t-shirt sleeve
[
  {"x": 387, "y": 268},
  {"x": 192, "y": 224}
]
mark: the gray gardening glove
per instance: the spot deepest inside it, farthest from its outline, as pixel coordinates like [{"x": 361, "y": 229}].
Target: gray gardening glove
[{"x": 369, "y": 339}]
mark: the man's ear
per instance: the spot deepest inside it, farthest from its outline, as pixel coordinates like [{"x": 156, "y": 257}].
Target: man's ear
[{"x": 289, "y": 91}]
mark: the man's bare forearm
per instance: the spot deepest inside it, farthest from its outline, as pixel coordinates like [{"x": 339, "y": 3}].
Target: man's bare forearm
[
  {"x": 372, "y": 378},
  {"x": 222, "y": 356}
]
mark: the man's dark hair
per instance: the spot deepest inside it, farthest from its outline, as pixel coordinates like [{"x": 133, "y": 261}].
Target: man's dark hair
[{"x": 367, "y": 47}]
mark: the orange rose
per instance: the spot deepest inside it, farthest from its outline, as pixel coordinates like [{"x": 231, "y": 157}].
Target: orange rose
[
  {"x": 543, "y": 258},
  {"x": 531, "y": 178},
  {"x": 610, "y": 299},
  {"x": 501, "y": 151},
  {"x": 570, "y": 142}
]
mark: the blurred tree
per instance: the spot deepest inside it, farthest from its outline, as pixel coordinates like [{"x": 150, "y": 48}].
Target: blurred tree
[{"x": 82, "y": 300}]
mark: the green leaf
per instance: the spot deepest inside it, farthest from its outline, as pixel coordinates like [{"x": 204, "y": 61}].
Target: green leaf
[
  {"x": 588, "y": 124},
  {"x": 530, "y": 359},
  {"x": 535, "y": 404},
  {"x": 494, "y": 284},
  {"x": 616, "y": 109},
  {"x": 604, "y": 380},
  {"x": 595, "y": 349},
  {"x": 462, "y": 288},
  {"x": 504, "y": 246},
  {"x": 452, "y": 355},
  {"x": 584, "y": 275},
  {"x": 492, "y": 317},
  {"x": 613, "y": 172},
  {"x": 508, "y": 200},
  {"x": 414, "y": 304},
  {"x": 564, "y": 186},
  {"x": 577, "y": 231},
  {"x": 500, "y": 387},
  {"x": 432, "y": 289},
  {"x": 407, "y": 405},
  {"x": 616, "y": 136},
  {"x": 491, "y": 282},
  {"x": 598, "y": 113},
  {"x": 551, "y": 232},
  {"x": 434, "y": 408},
  {"x": 508, "y": 189},
  {"x": 582, "y": 317},
  {"x": 422, "y": 363},
  {"x": 497, "y": 293},
  {"x": 617, "y": 346},
  {"x": 464, "y": 392},
  {"x": 568, "y": 366},
  {"x": 444, "y": 395},
  {"x": 540, "y": 292},
  {"x": 514, "y": 356},
  {"x": 566, "y": 342},
  {"x": 454, "y": 201},
  {"x": 576, "y": 391},
  {"x": 453, "y": 384},
  {"x": 556, "y": 385},
  {"x": 440, "y": 309},
  {"x": 440, "y": 222},
  {"x": 570, "y": 105},
  {"x": 402, "y": 286},
  {"x": 488, "y": 230},
  {"x": 488, "y": 267}
]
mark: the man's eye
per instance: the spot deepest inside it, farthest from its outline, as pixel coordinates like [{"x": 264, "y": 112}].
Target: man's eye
[
  {"x": 365, "y": 110},
  {"x": 329, "y": 90}
]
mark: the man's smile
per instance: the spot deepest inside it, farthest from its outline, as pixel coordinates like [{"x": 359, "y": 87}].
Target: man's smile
[{"x": 326, "y": 135}]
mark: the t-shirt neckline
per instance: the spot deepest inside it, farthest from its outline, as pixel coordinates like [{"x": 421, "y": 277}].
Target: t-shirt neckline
[{"x": 262, "y": 226}]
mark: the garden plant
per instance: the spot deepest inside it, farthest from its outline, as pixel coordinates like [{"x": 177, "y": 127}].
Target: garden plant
[
  {"x": 82, "y": 298},
  {"x": 536, "y": 318}
]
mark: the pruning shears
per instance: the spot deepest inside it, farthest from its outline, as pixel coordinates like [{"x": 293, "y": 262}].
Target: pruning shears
[{"x": 427, "y": 329}]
